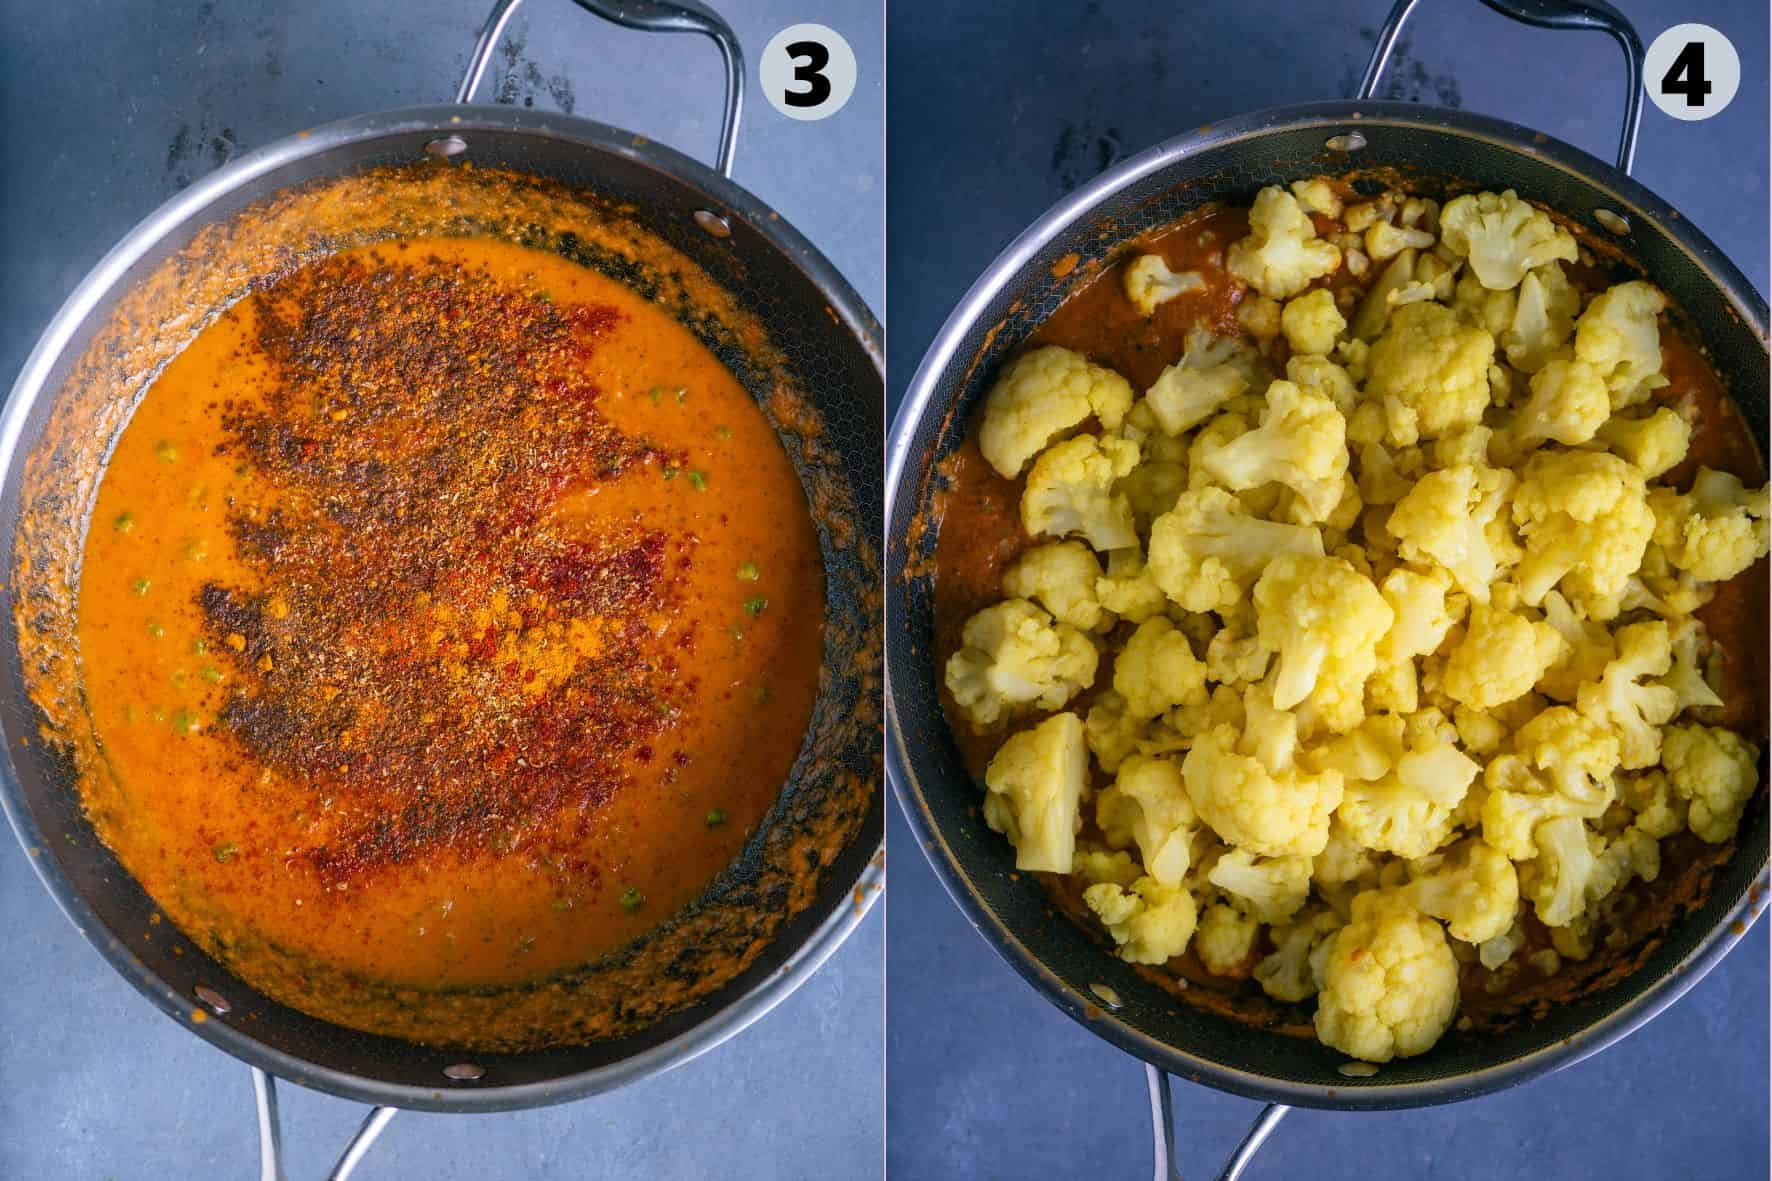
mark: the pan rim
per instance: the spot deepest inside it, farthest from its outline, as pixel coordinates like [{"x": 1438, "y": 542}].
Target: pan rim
[
  {"x": 1634, "y": 201},
  {"x": 728, "y": 1016}
]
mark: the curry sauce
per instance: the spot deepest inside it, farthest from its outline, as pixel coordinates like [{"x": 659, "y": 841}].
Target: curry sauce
[{"x": 449, "y": 616}]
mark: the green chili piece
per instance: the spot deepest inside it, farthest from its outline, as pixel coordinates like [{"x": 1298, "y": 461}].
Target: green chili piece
[
  {"x": 655, "y": 394},
  {"x": 124, "y": 522},
  {"x": 670, "y": 473},
  {"x": 155, "y": 630},
  {"x": 631, "y": 899},
  {"x": 756, "y": 606},
  {"x": 140, "y": 586},
  {"x": 716, "y": 818},
  {"x": 561, "y": 904},
  {"x": 184, "y": 722},
  {"x": 165, "y": 451},
  {"x": 225, "y": 850},
  {"x": 700, "y": 481},
  {"x": 723, "y": 432},
  {"x": 212, "y": 674},
  {"x": 749, "y": 572}
]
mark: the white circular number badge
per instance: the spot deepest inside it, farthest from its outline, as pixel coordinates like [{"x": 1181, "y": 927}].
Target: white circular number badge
[
  {"x": 1692, "y": 72},
  {"x": 807, "y": 72}
]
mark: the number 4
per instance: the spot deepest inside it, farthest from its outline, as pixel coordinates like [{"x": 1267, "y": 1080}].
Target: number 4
[{"x": 1686, "y": 75}]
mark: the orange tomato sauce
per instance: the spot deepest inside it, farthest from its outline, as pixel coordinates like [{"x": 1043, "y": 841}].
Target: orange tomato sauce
[{"x": 449, "y": 615}]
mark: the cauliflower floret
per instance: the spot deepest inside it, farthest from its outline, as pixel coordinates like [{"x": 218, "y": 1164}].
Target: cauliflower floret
[
  {"x": 1430, "y": 372},
  {"x": 1587, "y": 650},
  {"x": 1113, "y": 734},
  {"x": 1259, "y": 315},
  {"x": 1652, "y": 445},
  {"x": 1070, "y": 489},
  {"x": 1324, "y": 619},
  {"x": 1211, "y": 372},
  {"x": 1470, "y": 887},
  {"x": 1282, "y": 254},
  {"x": 1225, "y": 941},
  {"x": 1286, "y": 974},
  {"x": 1312, "y": 323},
  {"x": 1501, "y": 656},
  {"x": 1128, "y": 589},
  {"x": 1235, "y": 659},
  {"x": 1400, "y": 796},
  {"x": 1094, "y": 865},
  {"x": 1035, "y": 782},
  {"x": 1206, "y": 552},
  {"x": 1586, "y": 519},
  {"x": 1389, "y": 982},
  {"x": 1322, "y": 376},
  {"x": 1626, "y": 698},
  {"x": 1149, "y": 282},
  {"x": 1157, "y": 671},
  {"x": 1558, "y": 883},
  {"x": 1148, "y": 806},
  {"x": 1503, "y": 236},
  {"x": 1344, "y": 859},
  {"x": 1657, "y": 807},
  {"x": 1039, "y": 397},
  {"x": 1384, "y": 240},
  {"x": 1562, "y": 766},
  {"x": 1714, "y": 769},
  {"x": 1569, "y": 404},
  {"x": 1686, "y": 677},
  {"x": 1268, "y": 889},
  {"x": 1267, "y": 805},
  {"x": 1013, "y": 657},
  {"x": 1061, "y": 577},
  {"x": 1456, "y": 518},
  {"x": 1317, "y": 195},
  {"x": 1543, "y": 318},
  {"x": 1301, "y": 444},
  {"x": 1715, "y": 531},
  {"x": 1422, "y": 615},
  {"x": 1151, "y": 922},
  {"x": 1620, "y": 336}
]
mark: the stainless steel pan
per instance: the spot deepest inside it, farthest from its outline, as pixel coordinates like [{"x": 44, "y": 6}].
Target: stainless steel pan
[{"x": 1229, "y": 161}]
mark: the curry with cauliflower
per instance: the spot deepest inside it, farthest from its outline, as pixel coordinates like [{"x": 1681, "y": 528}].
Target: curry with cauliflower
[
  {"x": 449, "y": 617},
  {"x": 1357, "y": 599}
]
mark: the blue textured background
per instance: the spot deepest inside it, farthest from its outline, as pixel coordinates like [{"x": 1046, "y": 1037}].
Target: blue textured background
[
  {"x": 111, "y": 107},
  {"x": 996, "y": 110}
]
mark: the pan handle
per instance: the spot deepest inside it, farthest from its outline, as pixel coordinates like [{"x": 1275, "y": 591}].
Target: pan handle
[
  {"x": 1163, "y": 1132},
  {"x": 1544, "y": 14},
  {"x": 651, "y": 16},
  {"x": 270, "y": 1134}
]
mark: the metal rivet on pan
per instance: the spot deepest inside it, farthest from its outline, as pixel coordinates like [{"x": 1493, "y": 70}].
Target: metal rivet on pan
[
  {"x": 464, "y": 1072},
  {"x": 1612, "y": 222},
  {"x": 1106, "y": 995},
  {"x": 212, "y": 998},
  {"x": 1353, "y": 141},
  {"x": 1357, "y": 1069},
  {"x": 447, "y": 146},
  {"x": 713, "y": 223}
]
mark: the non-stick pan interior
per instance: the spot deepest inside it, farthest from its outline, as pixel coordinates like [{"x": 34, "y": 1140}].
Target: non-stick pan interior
[
  {"x": 821, "y": 341},
  {"x": 1229, "y": 163}
]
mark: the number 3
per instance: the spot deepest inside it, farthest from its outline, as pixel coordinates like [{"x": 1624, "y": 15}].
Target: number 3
[{"x": 810, "y": 58}]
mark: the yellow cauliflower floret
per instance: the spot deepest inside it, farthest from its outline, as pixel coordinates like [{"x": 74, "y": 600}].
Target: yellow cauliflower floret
[
  {"x": 1503, "y": 236},
  {"x": 1286, "y": 974},
  {"x": 1686, "y": 678},
  {"x": 1061, "y": 577},
  {"x": 1457, "y": 520},
  {"x": 1324, "y": 619},
  {"x": 1653, "y": 444},
  {"x": 1039, "y": 397},
  {"x": 1207, "y": 551},
  {"x": 1563, "y": 766},
  {"x": 1715, "y": 770},
  {"x": 1012, "y": 658},
  {"x": 1071, "y": 489},
  {"x": 1715, "y": 531},
  {"x": 1211, "y": 372},
  {"x": 1282, "y": 254},
  {"x": 1585, "y": 518},
  {"x": 1128, "y": 588},
  {"x": 1501, "y": 656},
  {"x": 1620, "y": 336},
  {"x": 1400, "y": 795},
  {"x": 1471, "y": 887},
  {"x": 1389, "y": 982},
  {"x": 1322, "y": 376},
  {"x": 1627, "y": 700},
  {"x": 1149, "y": 281},
  {"x": 1151, "y": 922},
  {"x": 1312, "y": 322},
  {"x": 1422, "y": 615},
  {"x": 1587, "y": 649},
  {"x": 1157, "y": 671},
  {"x": 1268, "y": 889},
  {"x": 1658, "y": 809},
  {"x": 1301, "y": 444},
  {"x": 1035, "y": 783},
  {"x": 1560, "y": 873},
  {"x": 1148, "y": 806},
  {"x": 1225, "y": 941},
  {"x": 1430, "y": 373},
  {"x": 1569, "y": 404},
  {"x": 1543, "y": 319},
  {"x": 1112, "y": 733},
  {"x": 1094, "y": 865},
  {"x": 1272, "y": 808}
]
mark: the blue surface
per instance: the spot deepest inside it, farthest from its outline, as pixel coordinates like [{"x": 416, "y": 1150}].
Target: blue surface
[
  {"x": 110, "y": 108},
  {"x": 996, "y": 111}
]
